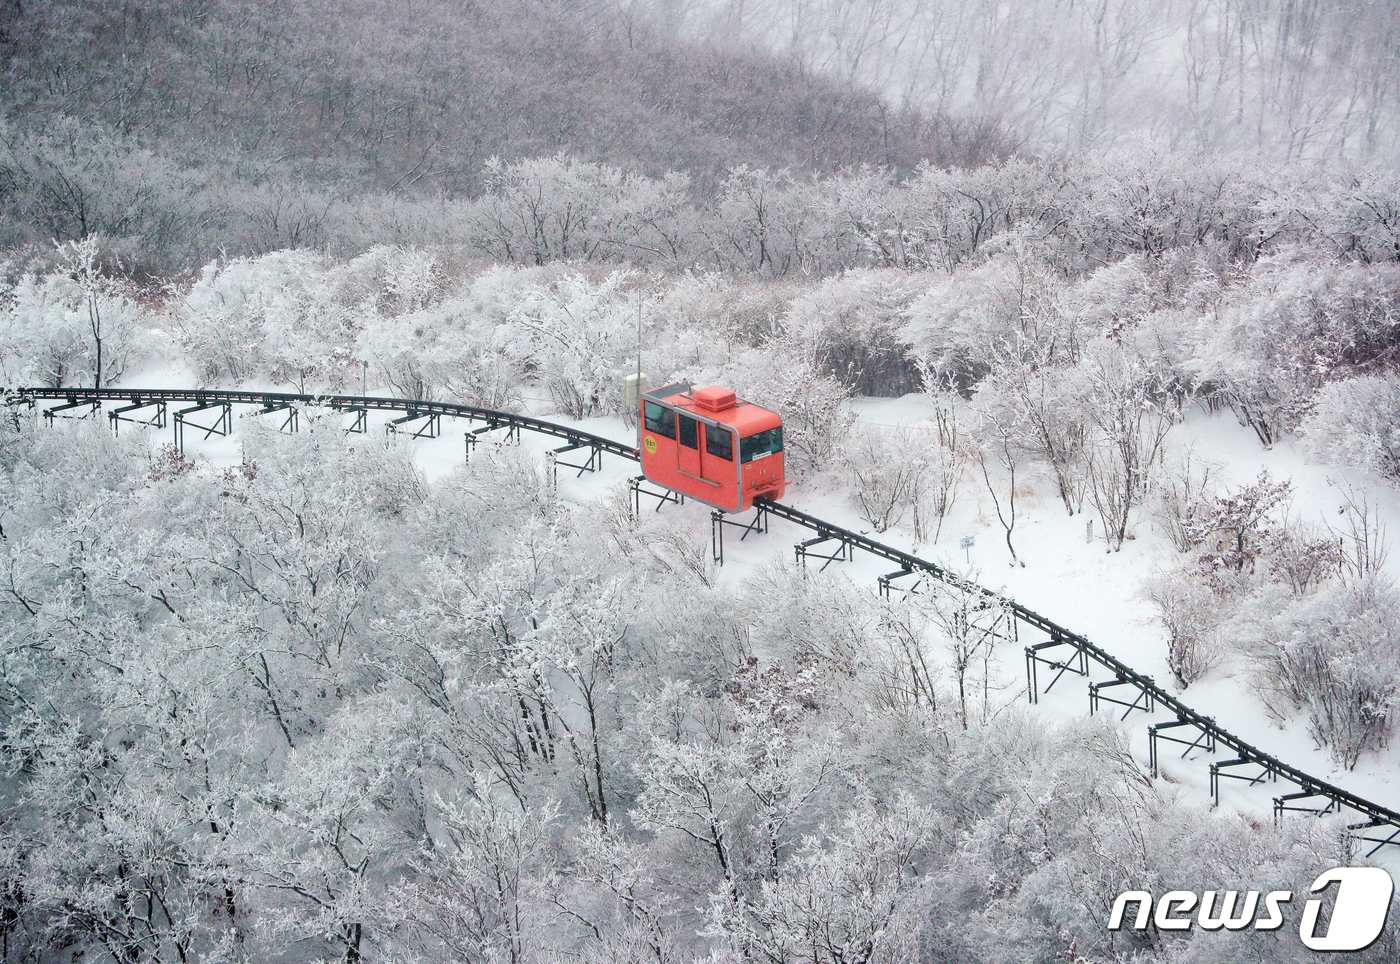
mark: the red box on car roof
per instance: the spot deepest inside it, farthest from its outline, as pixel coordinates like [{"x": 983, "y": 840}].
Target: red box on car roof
[{"x": 714, "y": 398}]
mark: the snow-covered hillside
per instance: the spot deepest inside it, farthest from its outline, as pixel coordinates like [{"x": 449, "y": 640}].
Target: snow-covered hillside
[
  {"x": 341, "y": 695},
  {"x": 1069, "y": 574}
]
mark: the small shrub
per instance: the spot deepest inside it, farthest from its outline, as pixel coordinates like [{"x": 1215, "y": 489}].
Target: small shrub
[
  {"x": 1302, "y": 558},
  {"x": 1356, "y": 422},
  {"x": 1334, "y": 654},
  {"x": 1180, "y": 500},
  {"x": 882, "y": 475},
  {"x": 1190, "y": 612}
]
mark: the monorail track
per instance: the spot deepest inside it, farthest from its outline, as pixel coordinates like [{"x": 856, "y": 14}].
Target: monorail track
[{"x": 1062, "y": 650}]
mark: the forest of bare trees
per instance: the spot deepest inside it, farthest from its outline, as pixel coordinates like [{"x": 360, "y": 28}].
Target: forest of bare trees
[
  {"x": 245, "y": 126},
  {"x": 185, "y": 128},
  {"x": 1289, "y": 78},
  {"x": 296, "y": 699}
]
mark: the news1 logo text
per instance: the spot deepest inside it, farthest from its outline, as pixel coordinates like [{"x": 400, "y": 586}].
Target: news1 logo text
[{"x": 1357, "y": 918}]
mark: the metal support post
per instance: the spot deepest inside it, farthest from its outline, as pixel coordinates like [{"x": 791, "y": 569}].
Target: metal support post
[
  {"x": 430, "y": 427},
  {"x": 1154, "y": 734},
  {"x": 222, "y": 426},
  {"x": 119, "y": 415},
  {"x": 718, "y": 520},
  {"x": 1142, "y": 701},
  {"x": 91, "y": 404},
  {"x": 1078, "y": 664}
]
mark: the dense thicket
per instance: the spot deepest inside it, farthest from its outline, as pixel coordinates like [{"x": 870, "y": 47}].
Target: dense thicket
[
  {"x": 377, "y": 95},
  {"x": 1309, "y": 79},
  {"x": 250, "y": 119}
]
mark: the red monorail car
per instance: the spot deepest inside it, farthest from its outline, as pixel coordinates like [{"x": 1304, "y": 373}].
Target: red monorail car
[{"x": 711, "y": 446}]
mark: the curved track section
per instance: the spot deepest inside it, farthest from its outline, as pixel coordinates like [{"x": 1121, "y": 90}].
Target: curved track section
[{"x": 1061, "y": 651}]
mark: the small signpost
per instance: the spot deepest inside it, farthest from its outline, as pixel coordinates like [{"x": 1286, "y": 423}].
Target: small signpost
[{"x": 966, "y": 543}]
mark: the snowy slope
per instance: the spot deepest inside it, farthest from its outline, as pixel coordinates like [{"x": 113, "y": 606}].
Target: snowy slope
[
  {"x": 1099, "y": 594},
  {"x": 1066, "y": 578}
]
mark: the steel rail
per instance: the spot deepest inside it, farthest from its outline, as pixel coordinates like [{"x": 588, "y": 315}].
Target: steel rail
[
  {"x": 209, "y": 396},
  {"x": 1247, "y": 752}
]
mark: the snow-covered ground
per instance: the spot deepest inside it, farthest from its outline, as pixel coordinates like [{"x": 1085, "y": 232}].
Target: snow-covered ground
[
  {"x": 1066, "y": 577},
  {"x": 1100, "y": 594}
]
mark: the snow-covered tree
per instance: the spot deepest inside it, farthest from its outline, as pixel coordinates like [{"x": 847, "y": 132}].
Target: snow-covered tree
[
  {"x": 1234, "y": 528},
  {"x": 1041, "y": 402},
  {"x": 481, "y": 884},
  {"x": 935, "y": 487},
  {"x": 1356, "y": 422},
  {"x": 884, "y": 469},
  {"x": 1190, "y": 612},
  {"x": 1296, "y": 322},
  {"x": 1334, "y": 654},
  {"x": 998, "y": 446},
  {"x": 850, "y": 324},
  {"x": 275, "y": 317},
  {"x": 1181, "y": 497},
  {"x": 854, "y": 892},
  {"x": 576, "y": 336},
  {"x": 956, "y": 327},
  {"x": 560, "y": 208},
  {"x": 1130, "y": 414},
  {"x": 76, "y": 324}
]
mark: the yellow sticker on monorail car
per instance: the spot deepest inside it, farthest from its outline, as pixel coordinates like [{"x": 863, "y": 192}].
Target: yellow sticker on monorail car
[{"x": 649, "y": 443}]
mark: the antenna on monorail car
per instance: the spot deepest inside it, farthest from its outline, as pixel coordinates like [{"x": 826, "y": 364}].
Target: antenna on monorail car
[{"x": 634, "y": 385}]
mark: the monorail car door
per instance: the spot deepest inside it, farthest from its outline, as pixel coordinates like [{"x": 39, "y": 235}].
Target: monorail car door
[
  {"x": 688, "y": 451},
  {"x": 716, "y": 456}
]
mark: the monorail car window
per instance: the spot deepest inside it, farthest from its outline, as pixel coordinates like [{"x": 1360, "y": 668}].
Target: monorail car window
[
  {"x": 761, "y": 444},
  {"x": 660, "y": 420},
  {"x": 719, "y": 442},
  {"x": 690, "y": 432}
]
